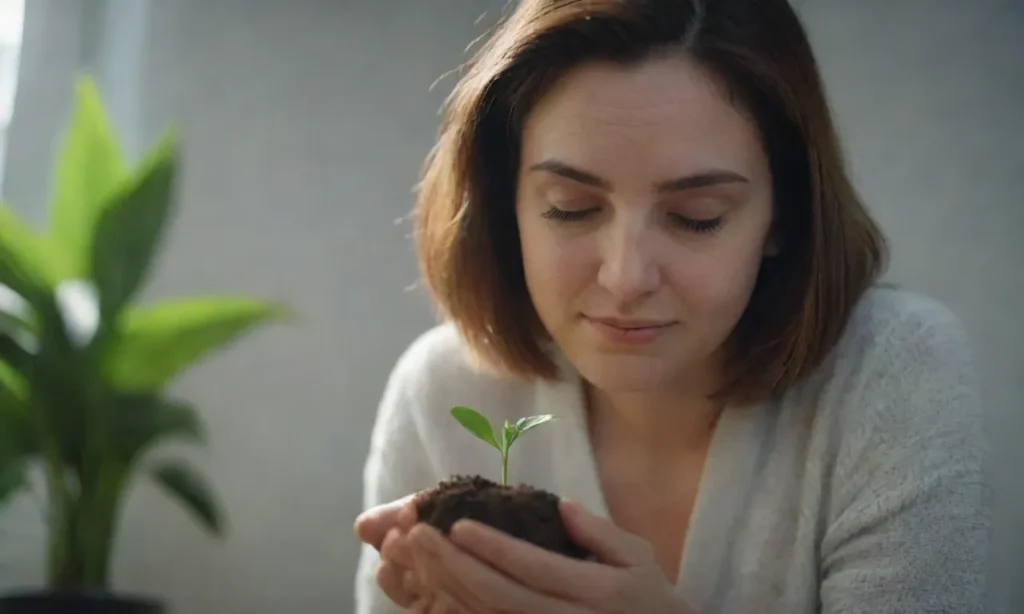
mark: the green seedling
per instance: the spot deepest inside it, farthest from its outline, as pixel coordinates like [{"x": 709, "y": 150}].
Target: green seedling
[{"x": 479, "y": 425}]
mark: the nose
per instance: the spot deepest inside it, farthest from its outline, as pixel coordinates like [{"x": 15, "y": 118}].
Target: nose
[{"x": 629, "y": 269}]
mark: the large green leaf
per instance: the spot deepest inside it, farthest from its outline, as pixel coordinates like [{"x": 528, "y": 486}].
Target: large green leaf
[
  {"x": 89, "y": 169},
  {"x": 12, "y": 480},
  {"x": 68, "y": 398},
  {"x": 17, "y": 438},
  {"x": 156, "y": 342},
  {"x": 28, "y": 261},
  {"x": 15, "y": 311},
  {"x": 18, "y": 339},
  {"x": 184, "y": 484},
  {"x": 143, "y": 421},
  {"x": 129, "y": 230},
  {"x": 13, "y": 386}
]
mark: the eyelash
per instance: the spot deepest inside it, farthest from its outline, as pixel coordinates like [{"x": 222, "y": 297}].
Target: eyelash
[
  {"x": 561, "y": 215},
  {"x": 692, "y": 225}
]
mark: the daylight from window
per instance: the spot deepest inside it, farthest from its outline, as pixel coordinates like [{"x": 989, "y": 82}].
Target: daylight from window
[{"x": 12, "y": 17}]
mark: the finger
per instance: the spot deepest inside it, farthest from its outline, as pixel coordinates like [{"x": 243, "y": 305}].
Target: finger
[
  {"x": 471, "y": 583},
  {"x": 610, "y": 544},
  {"x": 443, "y": 604},
  {"x": 423, "y": 605},
  {"x": 390, "y": 580},
  {"x": 438, "y": 604},
  {"x": 372, "y": 525},
  {"x": 396, "y": 549},
  {"x": 424, "y": 601},
  {"x": 530, "y": 565},
  {"x": 427, "y": 601},
  {"x": 412, "y": 584}
]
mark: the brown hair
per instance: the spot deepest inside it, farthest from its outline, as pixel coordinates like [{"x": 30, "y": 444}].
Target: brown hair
[{"x": 466, "y": 233}]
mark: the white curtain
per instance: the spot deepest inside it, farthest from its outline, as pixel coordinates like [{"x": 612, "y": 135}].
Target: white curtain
[
  {"x": 62, "y": 39},
  {"x": 11, "y": 25}
]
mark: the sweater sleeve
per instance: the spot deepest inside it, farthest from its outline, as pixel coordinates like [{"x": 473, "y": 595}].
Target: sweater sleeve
[
  {"x": 397, "y": 464},
  {"x": 910, "y": 521}
]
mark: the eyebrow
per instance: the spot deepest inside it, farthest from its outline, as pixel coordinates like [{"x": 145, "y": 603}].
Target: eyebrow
[{"x": 702, "y": 179}]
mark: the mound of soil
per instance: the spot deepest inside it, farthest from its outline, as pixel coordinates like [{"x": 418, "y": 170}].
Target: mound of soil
[{"x": 521, "y": 511}]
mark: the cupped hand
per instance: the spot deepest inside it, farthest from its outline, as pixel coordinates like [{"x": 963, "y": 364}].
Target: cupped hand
[
  {"x": 479, "y": 570},
  {"x": 385, "y": 528}
]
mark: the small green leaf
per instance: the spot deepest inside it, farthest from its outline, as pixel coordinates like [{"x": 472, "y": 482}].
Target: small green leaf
[
  {"x": 525, "y": 424},
  {"x": 184, "y": 484},
  {"x": 156, "y": 342},
  {"x": 89, "y": 169},
  {"x": 129, "y": 231},
  {"x": 475, "y": 423},
  {"x": 508, "y": 436}
]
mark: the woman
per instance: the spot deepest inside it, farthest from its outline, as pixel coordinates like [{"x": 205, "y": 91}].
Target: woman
[{"x": 637, "y": 217}]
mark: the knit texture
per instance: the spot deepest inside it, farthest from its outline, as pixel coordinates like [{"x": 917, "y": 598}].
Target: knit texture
[{"x": 862, "y": 490}]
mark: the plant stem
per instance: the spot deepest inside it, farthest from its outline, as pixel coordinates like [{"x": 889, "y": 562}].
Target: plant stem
[
  {"x": 61, "y": 514},
  {"x": 504, "y": 469}
]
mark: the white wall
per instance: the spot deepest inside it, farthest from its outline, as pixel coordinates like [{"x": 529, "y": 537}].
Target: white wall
[
  {"x": 929, "y": 95},
  {"x": 305, "y": 123}
]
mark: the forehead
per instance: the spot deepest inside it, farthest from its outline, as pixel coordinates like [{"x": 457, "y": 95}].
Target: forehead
[{"x": 666, "y": 114}]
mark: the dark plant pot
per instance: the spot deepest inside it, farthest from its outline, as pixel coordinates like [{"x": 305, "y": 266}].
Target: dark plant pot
[{"x": 77, "y": 602}]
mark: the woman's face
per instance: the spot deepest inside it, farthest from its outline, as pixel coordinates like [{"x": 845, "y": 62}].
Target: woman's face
[{"x": 644, "y": 209}]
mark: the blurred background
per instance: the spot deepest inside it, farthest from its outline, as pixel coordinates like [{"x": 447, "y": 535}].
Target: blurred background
[{"x": 304, "y": 123}]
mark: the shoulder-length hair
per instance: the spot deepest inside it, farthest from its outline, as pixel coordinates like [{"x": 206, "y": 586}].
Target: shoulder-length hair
[{"x": 466, "y": 235}]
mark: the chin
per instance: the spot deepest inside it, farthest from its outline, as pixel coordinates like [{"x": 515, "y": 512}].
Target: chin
[{"x": 625, "y": 373}]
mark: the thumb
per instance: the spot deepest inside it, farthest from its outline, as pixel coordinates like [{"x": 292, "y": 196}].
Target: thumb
[
  {"x": 610, "y": 544},
  {"x": 373, "y": 525}
]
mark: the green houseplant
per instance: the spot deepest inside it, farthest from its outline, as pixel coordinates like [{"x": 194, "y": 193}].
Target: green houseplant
[
  {"x": 521, "y": 510},
  {"x": 83, "y": 368}
]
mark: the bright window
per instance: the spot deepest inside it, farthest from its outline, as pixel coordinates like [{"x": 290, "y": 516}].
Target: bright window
[{"x": 12, "y": 17}]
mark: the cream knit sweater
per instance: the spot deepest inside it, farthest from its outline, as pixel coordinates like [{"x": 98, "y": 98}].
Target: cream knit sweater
[{"x": 861, "y": 491}]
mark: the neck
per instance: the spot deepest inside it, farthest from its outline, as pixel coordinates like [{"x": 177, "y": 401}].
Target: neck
[{"x": 653, "y": 423}]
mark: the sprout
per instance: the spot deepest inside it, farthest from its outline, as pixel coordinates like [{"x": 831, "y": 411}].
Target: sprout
[{"x": 476, "y": 423}]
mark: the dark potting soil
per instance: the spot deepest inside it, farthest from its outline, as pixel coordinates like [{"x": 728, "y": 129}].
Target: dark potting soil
[{"x": 522, "y": 511}]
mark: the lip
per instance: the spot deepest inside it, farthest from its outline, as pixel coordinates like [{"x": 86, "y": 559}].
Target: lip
[{"x": 631, "y": 331}]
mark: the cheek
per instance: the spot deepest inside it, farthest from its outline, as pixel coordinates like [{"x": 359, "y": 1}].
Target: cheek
[
  {"x": 557, "y": 268},
  {"x": 718, "y": 284}
]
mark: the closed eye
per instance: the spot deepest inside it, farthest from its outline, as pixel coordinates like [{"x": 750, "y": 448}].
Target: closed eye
[
  {"x": 698, "y": 226},
  {"x": 565, "y": 215}
]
